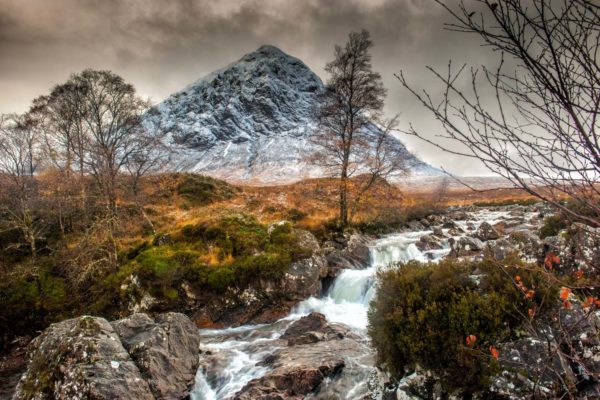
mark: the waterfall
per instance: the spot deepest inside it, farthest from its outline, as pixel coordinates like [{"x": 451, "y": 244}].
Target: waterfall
[{"x": 346, "y": 302}]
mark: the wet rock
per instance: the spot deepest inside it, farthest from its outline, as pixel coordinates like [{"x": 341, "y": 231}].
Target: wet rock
[
  {"x": 81, "y": 358},
  {"x": 437, "y": 231},
  {"x": 450, "y": 225},
  {"x": 436, "y": 219},
  {"x": 312, "y": 328},
  {"x": 486, "y": 232},
  {"x": 313, "y": 322},
  {"x": 165, "y": 349},
  {"x": 316, "y": 359},
  {"x": 465, "y": 246},
  {"x": 325, "y": 369},
  {"x": 290, "y": 382},
  {"x": 415, "y": 226},
  {"x": 429, "y": 242},
  {"x": 353, "y": 254},
  {"x": 459, "y": 215}
]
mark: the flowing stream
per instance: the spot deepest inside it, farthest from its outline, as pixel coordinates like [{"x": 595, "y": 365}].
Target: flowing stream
[{"x": 235, "y": 352}]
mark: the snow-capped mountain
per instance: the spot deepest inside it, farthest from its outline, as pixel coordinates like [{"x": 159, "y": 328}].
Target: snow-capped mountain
[{"x": 251, "y": 122}]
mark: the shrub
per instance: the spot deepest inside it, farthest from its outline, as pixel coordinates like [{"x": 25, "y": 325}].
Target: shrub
[
  {"x": 553, "y": 225},
  {"x": 295, "y": 215},
  {"x": 31, "y": 300},
  {"x": 201, "y": 190},
  {"x": 507, "y": 202},
  {"x": 422, "y": 315}
]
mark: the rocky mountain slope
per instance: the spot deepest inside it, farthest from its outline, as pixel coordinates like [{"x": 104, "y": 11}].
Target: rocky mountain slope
[{"x": 252, "y": 122}]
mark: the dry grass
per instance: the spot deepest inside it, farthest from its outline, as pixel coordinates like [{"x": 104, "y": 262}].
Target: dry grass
[{"x": 310, "y": 203}]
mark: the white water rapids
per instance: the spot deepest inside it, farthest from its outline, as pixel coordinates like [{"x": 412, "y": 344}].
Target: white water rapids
[{"x": 346, "y": 302}]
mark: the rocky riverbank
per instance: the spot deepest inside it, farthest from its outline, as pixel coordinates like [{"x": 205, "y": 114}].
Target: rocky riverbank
[{"x": 320, "y": 348}]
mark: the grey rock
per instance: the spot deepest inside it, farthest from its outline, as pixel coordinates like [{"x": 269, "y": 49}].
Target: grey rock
[
  {"x": 429, "y": 242},
  {"x": 165, "y": 349},
  {"x": 323, "y": 369},
  {"x": 81, "y": 358},
  {"x": 499, "y": 249},
  {"x": 486, "y": 232},
  {"x": 134, "y": 358},
  {"x": 466, "y": 246}
]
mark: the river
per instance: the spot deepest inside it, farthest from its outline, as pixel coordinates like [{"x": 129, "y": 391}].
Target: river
[{"x": 240, "y": 350}]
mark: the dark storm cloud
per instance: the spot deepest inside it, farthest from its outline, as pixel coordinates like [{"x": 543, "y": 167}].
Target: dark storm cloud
[{"x": 161, "y": 46}]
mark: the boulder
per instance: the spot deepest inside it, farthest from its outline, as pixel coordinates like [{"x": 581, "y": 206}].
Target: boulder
[
  {"x": 486, "y": 232},
  {"x": 465, "y": 246},
  {"x": 429, "y": 242},
  {"x": 134, "y": 358},
  {"x": 290, "y": 382},
  {"x": 437, "y": 231},
  {"x": 499, "y": 249},
  {"x": 328, "y": 366},
  {"x": 527, "y": 242},
  {"x": 450, "y": 224},
  {"x": 415, "y": 226},
  {"x": 312, "y": 328},
  {"x": 565, "y": 352},
  {"x": 354, "y": 253},
  {"x": 165, "y": 349},
  {"x": 81, "y": 358},
  {"x": 459, "y": 215}
]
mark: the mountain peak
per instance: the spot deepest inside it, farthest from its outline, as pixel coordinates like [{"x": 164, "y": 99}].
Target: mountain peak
[
  {"x": 249, "y": 121},
  {"x": 270, "y": 50}
]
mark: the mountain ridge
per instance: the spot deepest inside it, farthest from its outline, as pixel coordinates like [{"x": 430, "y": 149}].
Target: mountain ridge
[{"x": 251, "y": 122}]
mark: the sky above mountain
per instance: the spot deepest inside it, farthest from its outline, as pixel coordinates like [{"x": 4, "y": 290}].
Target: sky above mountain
[{"x": 163, "y": 46}]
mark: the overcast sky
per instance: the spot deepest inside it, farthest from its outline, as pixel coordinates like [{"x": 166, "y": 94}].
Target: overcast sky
[{"x": 161, "y": 46}]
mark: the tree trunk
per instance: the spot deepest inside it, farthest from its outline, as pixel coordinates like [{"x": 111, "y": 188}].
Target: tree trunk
[{"x": 344, "y": 196}]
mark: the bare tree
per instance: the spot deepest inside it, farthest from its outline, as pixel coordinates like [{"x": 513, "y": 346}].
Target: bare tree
[
  {"x": 533, "y": 119},
  {"x": 350, "y": 142},
  {"x": 20, "y": 156},
  {"x": 149, "y": 155},
  {"x": 110, "y": 113},
  {"x": 540, "y": 131}
]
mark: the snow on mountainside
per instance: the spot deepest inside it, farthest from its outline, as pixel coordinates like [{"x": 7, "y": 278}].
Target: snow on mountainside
[{"x": 251, "y": 122}]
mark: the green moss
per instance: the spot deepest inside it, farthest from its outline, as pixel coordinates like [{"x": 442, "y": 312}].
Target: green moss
[
  {"x": 240, "y": 250},
  {"x": 422, "y": 314}
]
